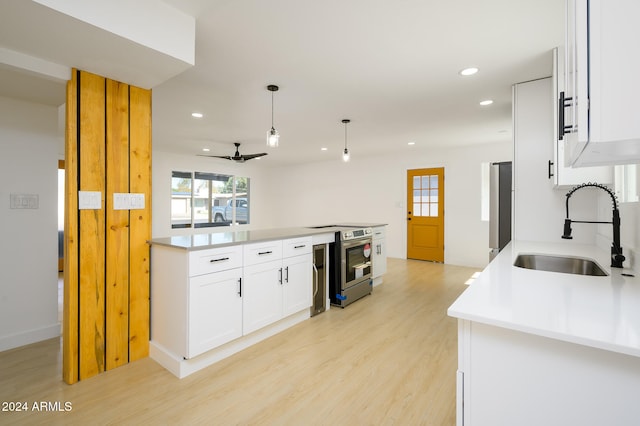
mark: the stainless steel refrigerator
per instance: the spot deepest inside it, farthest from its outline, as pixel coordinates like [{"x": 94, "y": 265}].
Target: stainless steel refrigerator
[{"x": 500, "y": 178}]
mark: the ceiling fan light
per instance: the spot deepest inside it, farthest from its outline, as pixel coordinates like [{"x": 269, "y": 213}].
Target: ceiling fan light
[{"x": 272, "y": 138}]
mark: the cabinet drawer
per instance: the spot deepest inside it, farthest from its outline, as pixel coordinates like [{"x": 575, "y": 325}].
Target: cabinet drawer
[
  {"x": 262, "y": 252},
  {"x": 214, "y": 260},
  {"x": 378, "y": 232},
  {"x": 296, "y": 246}
]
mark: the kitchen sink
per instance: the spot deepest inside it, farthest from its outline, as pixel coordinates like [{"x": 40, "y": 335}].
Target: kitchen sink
[{"x": 564, "y": 264}]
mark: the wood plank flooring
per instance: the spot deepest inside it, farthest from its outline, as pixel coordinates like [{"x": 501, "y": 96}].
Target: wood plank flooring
[{"x": 388, "y": 359}]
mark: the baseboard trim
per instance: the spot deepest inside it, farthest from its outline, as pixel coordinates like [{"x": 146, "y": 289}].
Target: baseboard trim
[
  {"x": 181, "y": 368},
  {"x": 30, "y": 336}
]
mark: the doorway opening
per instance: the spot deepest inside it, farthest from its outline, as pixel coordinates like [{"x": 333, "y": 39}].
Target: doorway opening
[{"x": 61, "y": 195}]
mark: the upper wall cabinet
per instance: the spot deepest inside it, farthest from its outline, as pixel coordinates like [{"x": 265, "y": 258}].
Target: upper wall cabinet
[
  {"x": 560, "y": 174},
  {"x": 602, "y": 87}
]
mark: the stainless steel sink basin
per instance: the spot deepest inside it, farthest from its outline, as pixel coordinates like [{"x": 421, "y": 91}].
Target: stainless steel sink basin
[{"x": 564, "y": 264}]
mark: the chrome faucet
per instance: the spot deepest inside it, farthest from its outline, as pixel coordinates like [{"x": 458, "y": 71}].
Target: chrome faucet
[{"x": 616, "y": 250}]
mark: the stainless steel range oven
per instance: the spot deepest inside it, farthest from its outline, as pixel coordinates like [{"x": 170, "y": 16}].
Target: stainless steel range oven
[{"x": 352, "y": 264}]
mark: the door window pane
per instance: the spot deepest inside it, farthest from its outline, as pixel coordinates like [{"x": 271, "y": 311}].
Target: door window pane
[{"x": 425, "y": 195}]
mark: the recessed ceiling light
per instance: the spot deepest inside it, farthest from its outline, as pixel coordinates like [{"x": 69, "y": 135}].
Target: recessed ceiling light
[
  {"x": 411, "y": 143},
  {"x": 197, "y": 115},
  {"x": 486, "y": 102},
  {"x": 206, "y": 149},
  {"x": 469, "y": 71},
  {"x": 323, "y": 149}
]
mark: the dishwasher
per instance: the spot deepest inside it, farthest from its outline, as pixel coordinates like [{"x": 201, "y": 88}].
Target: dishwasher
[{"x": 319, "y": 300}]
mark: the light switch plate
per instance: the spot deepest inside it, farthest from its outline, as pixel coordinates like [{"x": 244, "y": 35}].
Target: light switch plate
[
  {"x": 121, "y": 201},
  {"x": 137, "y": 201},
  {"x": 23, "y": 201},
  {"x": 89, "y": 200}
]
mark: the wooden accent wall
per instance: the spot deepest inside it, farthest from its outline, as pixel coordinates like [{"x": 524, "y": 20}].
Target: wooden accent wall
[{"x": 106, "y": 280}]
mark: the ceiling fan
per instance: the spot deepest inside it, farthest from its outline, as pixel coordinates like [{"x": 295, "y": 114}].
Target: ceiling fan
[{"x": 237, "y": 157}]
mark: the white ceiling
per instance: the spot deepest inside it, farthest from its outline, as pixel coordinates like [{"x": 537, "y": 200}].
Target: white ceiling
[{"x": 389, "y": 66}]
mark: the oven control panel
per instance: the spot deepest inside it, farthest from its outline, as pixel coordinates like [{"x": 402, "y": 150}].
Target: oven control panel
[{"x": 354, "y": 234}]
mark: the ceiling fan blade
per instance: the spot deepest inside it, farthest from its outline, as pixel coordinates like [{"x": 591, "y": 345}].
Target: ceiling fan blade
[
  {"x": 250, "y": 156},
  {"x": 225, "y": 157}
]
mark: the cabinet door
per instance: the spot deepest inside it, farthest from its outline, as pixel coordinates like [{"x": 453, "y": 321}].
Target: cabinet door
[
  {"x": 215, "y": 310},
  {"x": 261, "y": 295},
  {"x": 379, "y": 257},
  {"x": 576, "y": 79},
  {"x": 298, "y": 280},
  {"x": 559, "y": 171}
]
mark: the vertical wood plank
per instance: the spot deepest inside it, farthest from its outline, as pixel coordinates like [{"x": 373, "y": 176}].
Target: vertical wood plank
[
  {"x": 92, "y": 226},
  {"x": 117, "y": 230},
  {"x": 70, "y": 297},
  {"x": 140, "y": 222}
]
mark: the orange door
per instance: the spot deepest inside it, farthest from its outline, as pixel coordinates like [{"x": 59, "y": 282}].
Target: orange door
[{"x": 425, "y": 214}]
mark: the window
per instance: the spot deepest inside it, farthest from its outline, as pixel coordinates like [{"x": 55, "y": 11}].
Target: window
[
  {"x": 181, "y": 199},
  {"x": 626, "y": 183},
  {"x": 425, "y": 195},
  {"x": 201, "y": 200}
]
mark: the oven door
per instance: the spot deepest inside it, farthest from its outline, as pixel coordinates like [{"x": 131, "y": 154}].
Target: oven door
[{"x": 356, "y": 261}]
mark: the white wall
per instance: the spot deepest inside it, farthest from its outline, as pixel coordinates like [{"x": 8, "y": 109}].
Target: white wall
[
  {"x": 28, "y": 248},
  {"x": 373, "y": 189}
]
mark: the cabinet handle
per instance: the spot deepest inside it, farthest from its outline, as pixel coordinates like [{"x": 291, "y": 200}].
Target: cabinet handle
[
  {"x": 550, "y": 168},
  {"x": 561, "y": 107},
  {"x": 218, "y": 260},
  {"x": 315, "y": 281},
  {"x": 280, "y": 279},
  {"x": 297, "y": 247},
  {"x": 286, "y": 277},
  {"x": 240, "y": 286},
  {"x": 563, "y": 103},
  {"x": 264, "y": 252}
]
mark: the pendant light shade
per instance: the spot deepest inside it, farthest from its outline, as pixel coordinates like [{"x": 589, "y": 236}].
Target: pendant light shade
[
  {"x": 345, "y": 154},
  {"x": 273, "y": 136}
]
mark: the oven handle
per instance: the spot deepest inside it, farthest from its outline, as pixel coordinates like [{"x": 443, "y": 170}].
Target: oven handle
[{"x": 354, "y": 243}]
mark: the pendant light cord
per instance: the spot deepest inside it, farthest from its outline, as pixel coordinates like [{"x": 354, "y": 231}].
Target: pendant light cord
[{"x": 345, "y": 121}]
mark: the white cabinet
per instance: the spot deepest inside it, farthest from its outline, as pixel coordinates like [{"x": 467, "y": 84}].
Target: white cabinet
[
  {"x": 297, "y": 283},
  {"x": 196, "y": 301},
  {"x": 379, "y": 253},
  {"x": 601, "y": 84},
  {"x": 559, "y": 172},
  {"x": 297, "y": 274},
  {"x": 215, "y": 310},
  {"x": 277, "y": 281},
  {"x": 262, "y": 295},
  {"x": 508, "y": 377}
]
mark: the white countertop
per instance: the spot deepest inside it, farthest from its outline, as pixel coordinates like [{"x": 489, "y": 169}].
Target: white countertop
[
  {"x": 228, "y": 237},
  {"x": 601, "y": 312}
]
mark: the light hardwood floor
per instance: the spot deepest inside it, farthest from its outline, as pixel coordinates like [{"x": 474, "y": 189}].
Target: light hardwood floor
[{"x": 388, "y": 359}]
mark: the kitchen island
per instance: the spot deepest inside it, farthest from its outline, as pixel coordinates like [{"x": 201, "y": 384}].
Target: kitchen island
[
  {"x": 538, "y": 347},
  {"x": 215, "y": 294}
]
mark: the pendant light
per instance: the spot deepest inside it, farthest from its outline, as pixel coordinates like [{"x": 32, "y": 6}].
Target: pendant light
[
  {"x": 345, "y": 154},
  {"x": 272, "y": 135}
]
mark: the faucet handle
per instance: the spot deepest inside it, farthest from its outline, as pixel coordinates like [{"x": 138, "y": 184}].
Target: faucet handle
[{"x": 567, "y": 230}]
